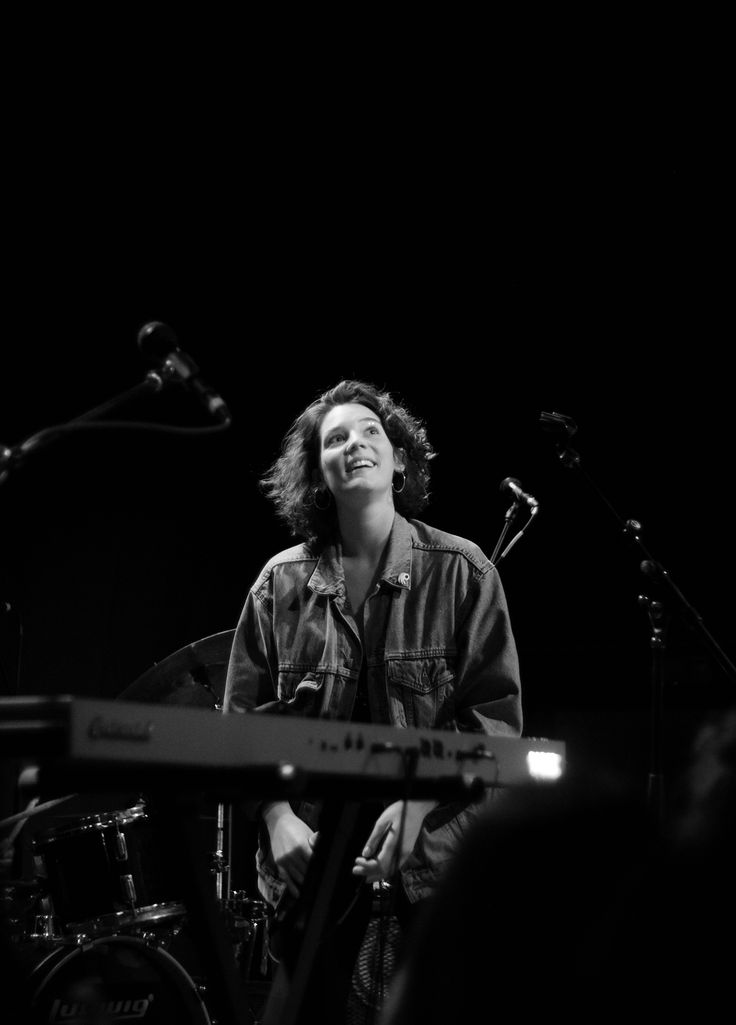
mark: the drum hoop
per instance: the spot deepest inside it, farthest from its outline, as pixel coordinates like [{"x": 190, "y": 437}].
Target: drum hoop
[
  {"x": 84, "y": 824},
  {"x": 106, "y": 924},
  {"x": 130, "y": 815},
  {"x": 91, "y": 824}
]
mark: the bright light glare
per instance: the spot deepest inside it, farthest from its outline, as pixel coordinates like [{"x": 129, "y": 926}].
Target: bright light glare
[{"x": 544, "y": 764}]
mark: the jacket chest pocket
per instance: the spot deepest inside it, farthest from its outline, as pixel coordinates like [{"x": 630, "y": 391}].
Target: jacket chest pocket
[
  {"x": 313, "y": 692},
  {"x": 422, "y": 691},
  {"x": 301, "y": 690}
]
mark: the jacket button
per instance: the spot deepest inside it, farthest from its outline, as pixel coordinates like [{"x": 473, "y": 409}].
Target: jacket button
[{"x": 404, "y": 579}]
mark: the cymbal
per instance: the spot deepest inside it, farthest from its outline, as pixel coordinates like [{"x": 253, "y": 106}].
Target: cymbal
[{"x": 194, "y": 675}]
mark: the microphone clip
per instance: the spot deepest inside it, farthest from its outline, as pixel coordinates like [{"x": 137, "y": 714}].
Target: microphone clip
[{"x": 178, "y": 367}]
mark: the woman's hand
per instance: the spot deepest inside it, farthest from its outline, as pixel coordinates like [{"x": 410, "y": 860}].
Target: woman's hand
[
  {"x": 292, "y": 842},
  {"x": 379, "y": 858}
]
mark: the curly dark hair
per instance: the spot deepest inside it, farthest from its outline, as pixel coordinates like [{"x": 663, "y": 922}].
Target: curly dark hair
[{"x": 290, "y": 482}]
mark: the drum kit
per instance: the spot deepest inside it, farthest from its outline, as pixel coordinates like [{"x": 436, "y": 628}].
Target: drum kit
[{"x": 99, "y": 930}]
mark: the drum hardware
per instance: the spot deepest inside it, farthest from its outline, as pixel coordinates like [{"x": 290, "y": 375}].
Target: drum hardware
[
  {"x": 25, "y": 911},
  {"x": 45, "y": 927},
  {"x": 246, "y": 921},
  {"x": 105, "y": 873},
  {"x": 121, "y": 846},
  {"x": 129, "y": 890},
  {"x": 163, "y": 937},
  {"x": 220, "y": 862}
]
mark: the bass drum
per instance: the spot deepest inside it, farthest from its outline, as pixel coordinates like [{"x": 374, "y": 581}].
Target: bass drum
[{"x": 110, "y": 980}]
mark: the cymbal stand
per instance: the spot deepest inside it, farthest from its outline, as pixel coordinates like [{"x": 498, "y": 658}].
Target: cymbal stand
[{"x": 221, "y": 859}]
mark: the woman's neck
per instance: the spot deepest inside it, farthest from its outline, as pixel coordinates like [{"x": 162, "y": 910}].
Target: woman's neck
[{"x": 365, "y": 531}]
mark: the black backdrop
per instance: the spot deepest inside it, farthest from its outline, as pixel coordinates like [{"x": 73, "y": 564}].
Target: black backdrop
[{"x": 556, "y": 250}]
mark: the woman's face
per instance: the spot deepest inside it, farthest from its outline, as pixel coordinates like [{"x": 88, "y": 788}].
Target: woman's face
[{"x": 357, "y": 461}]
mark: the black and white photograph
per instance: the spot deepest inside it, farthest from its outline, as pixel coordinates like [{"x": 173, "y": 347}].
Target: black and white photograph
[{"x": 366, "y": 605}]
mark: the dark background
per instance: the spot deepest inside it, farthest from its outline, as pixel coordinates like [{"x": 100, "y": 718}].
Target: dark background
[{"x": 485, "y": 246}]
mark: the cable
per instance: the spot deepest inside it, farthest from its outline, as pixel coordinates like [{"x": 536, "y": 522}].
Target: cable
[
  {"x": 48, "y": 433},
  {"x": 10, "y": 456}
]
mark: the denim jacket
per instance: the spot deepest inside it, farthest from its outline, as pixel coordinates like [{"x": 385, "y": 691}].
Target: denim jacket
[{"x": 444, "y": 657}]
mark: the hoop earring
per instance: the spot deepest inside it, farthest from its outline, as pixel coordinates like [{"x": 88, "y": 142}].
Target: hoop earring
[
  {"x": 397, "y": 491},
  {"x": 322, "y": 491}
]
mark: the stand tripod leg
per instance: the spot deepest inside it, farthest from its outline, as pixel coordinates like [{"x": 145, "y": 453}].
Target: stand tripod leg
[{"x": 296, "y": 997}]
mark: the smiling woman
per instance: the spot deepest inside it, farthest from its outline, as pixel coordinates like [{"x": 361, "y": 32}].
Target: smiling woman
[
  {"x": 296, "y": 481},
  {"x": 376, "y": 617},
  {"x": 356, "y": 454}
]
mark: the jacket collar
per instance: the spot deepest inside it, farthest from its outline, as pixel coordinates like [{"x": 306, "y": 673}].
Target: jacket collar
[
  {"x": 329, "y": 577},
  {"x": 397, "y": 564}
]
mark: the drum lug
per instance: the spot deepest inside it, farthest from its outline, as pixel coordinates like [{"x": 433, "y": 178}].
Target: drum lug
[
  {"x": 121, "y": 846},
  {"x": 129, "y": 889}
]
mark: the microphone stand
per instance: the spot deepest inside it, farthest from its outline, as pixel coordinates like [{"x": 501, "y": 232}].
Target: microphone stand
[
  {"x": 659, "y": 622},
  {"x": 154, "y": 381},
  {"x": 563, "y": 428},
  {"x": 511, "y": 515}
]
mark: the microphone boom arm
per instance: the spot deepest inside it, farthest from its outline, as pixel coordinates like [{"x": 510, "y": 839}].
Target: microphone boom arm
[{"x": 11, "y": 457}]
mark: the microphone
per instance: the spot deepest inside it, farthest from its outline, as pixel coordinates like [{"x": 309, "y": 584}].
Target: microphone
[
  {"x": 512, "y": 484},
  {"x": 159, "y": 344}
]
